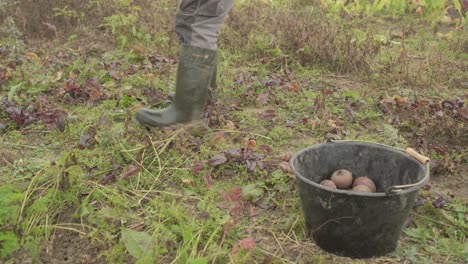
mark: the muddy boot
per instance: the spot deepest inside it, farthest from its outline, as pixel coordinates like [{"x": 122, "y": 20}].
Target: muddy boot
[
  {"x": 212, "y": 98},
  {"x": 194, "y": 72}
]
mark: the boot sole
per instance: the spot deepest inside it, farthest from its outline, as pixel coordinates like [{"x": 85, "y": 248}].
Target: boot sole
[{"x": 196, "y": 127}]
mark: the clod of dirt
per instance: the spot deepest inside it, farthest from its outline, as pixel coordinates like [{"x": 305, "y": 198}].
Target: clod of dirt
[
  {"x": 329, "y": 184},
  {"x": 364, "y": 180},
  {"x": 342, "y": 178},
  {"x": 361, "y": 188}
]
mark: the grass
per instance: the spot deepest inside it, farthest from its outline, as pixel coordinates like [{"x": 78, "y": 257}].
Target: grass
[{"x": 85, "y": 183}]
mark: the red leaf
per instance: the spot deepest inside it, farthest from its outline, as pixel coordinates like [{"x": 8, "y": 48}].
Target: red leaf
[
  {"x": 132, "y": 170},
  {"x": 198, "y": 166},
  {"x": 217, "y": 160},
  {"x": 440, "y": 150},
  {"x": 72, "y": 87},
  {"x": 287, "y": 156},
  {"x": 266, "y": 149},
  {"x": 234, "y": 195},
  {"x": 247, "y": 243},
  {"x": 20, "y": 116},
  {"x": 328, "y": 92},
  {"x": 236, "y": 211},
  {"x": 268, "y": 114}
]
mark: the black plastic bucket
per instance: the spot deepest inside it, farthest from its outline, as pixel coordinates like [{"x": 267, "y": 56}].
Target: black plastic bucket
[{"x": 358, "y": 225}]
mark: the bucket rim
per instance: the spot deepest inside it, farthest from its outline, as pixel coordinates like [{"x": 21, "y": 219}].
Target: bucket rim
[{"x": 414, "y": 187}]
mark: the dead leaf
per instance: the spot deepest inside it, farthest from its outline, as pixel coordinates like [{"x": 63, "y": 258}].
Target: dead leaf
[
  {"x": 110, "y": 176},
  {"x": 5, "y": 75},
  {"x": 268, "y": 114},
  {"x": 235, "y": 153},
  {"x": 230, "y": 125},
  {"x": 251, "y": 144},
  {"x": 448, "y": 105},
  {"x": 293, "y": 87},
  {"x": 251, "y": 164},
  {"x": 285, "y": 166},
  {"x": 115, "y": 75},
  {"x": 219, "y": 136},
  {"x": 290, "y": 123},
  {"x": 287, "y": 156},
  {"x": 33, "y": 56},
  {"x": 198, "y": 166},
  {"x": 217, "y": 160},
  {"x": 440, "y": 150},
  {"x": 72, "y": 88},
  {"x": 83, "y": 142},
  {"x": 53, "y": 118},
  {"x": 463, "y": 114},
  {"x": 272, "y": 82},
  {"x": 208, "y": 180},
  {"x": 131, "y": 170},
  {"x": 262, "y": 99},
  {"x": 21, "y": 117},
  {"x": 94, "y": 89},
  {"x": 266, "y": 149}
]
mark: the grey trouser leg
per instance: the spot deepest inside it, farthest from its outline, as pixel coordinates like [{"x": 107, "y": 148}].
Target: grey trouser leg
[{"x": 198, "y": 22}]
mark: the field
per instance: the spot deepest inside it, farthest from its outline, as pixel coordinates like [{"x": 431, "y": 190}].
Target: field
[{"x": 82, "y": 182}]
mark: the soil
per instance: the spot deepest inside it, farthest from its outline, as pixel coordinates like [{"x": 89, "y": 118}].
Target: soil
[
  {"x": 68, "y": 247},
  {"x": 456, "y": 185}
]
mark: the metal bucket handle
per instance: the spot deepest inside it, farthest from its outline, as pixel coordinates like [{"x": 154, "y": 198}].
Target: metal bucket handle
[{"x": 409, "y": 151}]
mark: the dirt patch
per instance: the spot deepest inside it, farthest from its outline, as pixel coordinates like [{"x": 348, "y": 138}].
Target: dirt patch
[
  {"x": 456, "y": 185},
  {"x": 69, "y": 246}
]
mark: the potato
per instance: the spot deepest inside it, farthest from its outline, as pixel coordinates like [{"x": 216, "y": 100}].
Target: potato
[
  {"x": 361, "y": 188},
  {"x": 364, "y": 180},
  {"x": 328, "y": 184},
  {"x": 342, "y": 178}
]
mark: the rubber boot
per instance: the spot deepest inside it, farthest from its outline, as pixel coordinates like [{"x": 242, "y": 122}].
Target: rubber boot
[
  {"x": 194, "y": 74},
  {"x": 212, "y": 98}
]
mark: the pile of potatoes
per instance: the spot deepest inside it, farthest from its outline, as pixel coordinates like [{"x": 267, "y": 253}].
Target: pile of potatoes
[{"x": 343, "y": 179}]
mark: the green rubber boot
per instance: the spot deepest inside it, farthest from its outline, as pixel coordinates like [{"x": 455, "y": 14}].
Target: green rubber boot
[
  {"x": 211, "y": 91},
  {"x": 194, "y": 72}
]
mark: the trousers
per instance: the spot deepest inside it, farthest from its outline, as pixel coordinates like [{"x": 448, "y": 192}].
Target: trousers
[{"x": 198, "y": 22}]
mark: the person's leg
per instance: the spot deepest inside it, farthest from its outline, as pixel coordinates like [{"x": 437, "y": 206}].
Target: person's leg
[
  {"x": 198, "y": 23},
  {"x": 201, "y": 27}
]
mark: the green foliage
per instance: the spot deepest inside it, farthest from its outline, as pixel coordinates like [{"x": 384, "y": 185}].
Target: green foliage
[
  {"x": 440, "y": 230},
  {"x": 10, "y": 198},
  {"x": 9, "y": 243},
  {"x": 138, "y": 245},
  {"x": 429, "y": 9}
]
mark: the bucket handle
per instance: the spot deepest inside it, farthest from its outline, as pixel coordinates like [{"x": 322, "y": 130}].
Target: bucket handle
[{"x": 411, "y": 152}]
